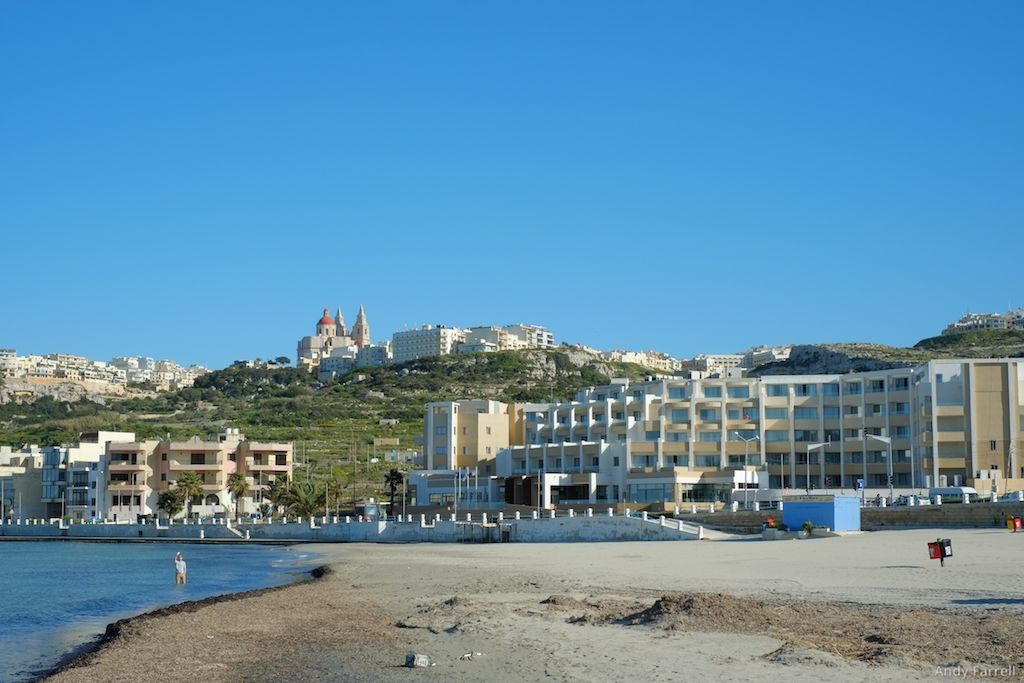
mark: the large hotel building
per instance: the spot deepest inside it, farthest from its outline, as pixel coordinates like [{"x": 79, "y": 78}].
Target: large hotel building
[{"x": 949, "y": 422}]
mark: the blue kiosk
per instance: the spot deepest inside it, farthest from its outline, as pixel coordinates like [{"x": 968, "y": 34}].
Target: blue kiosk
[{"x": 838, "y": 513}]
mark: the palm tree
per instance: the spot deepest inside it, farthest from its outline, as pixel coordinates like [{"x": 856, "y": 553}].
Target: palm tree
[
  {"x": 170, "y": 501},
  {"x": 190, "y": 484},
  {"x": 304, "y": 500},
  {"x": 238, "y": 485},
  {"x": 277, "y": 494},
  {"x": 393, "y": 479}
]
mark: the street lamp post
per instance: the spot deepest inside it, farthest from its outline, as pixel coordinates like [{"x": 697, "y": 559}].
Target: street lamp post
[
  {"x": 811, "y": 447},
  {"x": 888, "y": 441},
  {"x": 746, "y": 463}
]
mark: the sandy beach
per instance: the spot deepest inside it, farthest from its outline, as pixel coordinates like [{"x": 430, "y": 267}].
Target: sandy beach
[{"x": 863, "y": 607}]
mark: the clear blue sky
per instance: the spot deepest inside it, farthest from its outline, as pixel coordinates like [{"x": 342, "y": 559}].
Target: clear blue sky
[{"x": 196, "y": 181}]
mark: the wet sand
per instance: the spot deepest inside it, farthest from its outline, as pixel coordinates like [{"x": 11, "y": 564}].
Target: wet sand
[{"x": 863, "y": 607}]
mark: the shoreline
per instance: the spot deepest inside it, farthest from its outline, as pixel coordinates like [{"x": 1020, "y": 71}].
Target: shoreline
[
  {"x": 865, "y": 607},
  {"x": 83, "y": 654}
]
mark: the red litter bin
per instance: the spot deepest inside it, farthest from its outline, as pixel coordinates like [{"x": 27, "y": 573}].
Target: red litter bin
[
  {"x": 1016, "y": 523},
  {"x": 940, "y": 549}
]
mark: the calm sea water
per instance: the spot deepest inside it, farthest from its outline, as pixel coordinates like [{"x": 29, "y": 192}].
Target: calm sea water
[{"x": 57, "y": 596}]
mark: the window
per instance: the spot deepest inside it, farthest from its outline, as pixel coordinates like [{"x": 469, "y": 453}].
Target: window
[
  {"x": 440, "y": 450},
  {"x": 851, "y": 411},
  {"x": 680, "y": 414},
  {"x": 805, "y": 413},
  {"x": 856, "y": 457},
  {"x": 776, "y": 435},
  {"x": 778, "y": 458},
  {"x": 742, "y": 434},
  {"x": 832, "y": 458},
  {"x": 831, "y": 412},
  {"x": 733, "y": 414},
  {"x": 441, "y": 430},
  {"x": 778, "y": 390},
  {"x": 806, "y": 390},
  {"x": 713, "y": 392},
  {"x": 595, "y": 462},
  {"x": 853, "y": 387},
  {"x": 876, "y": 386},
  {"x": 652, "y": 436},
  {"x": 163, "y": 477},
  {"x": 876, "y": 409},
  {"x": 833, "y": 435},
  {"x": 710, "y": 437},
  {"x": 636, "y": 414},
  {"x": 465, "y": 431},
  {"x": 677, "y": 436},
  {"x": 851, "y": 433},
  {"x": 198, "y": 459},
  {"x": 739, "y": 392},
  {"x": 487, "y": 431},
  {"x": 831, "y": 389},
  {"x": 709, "y": 414},
  {"x": 706, "y": 461},
  {"x": 677, "y": 392},
  {"x": 615, "y": 461},
  {"x": 487, "y": 450},
  {"x": 805, "y": 435},
  {"x": 991, "y": 445},
  {"x": 776, "y": 413}
]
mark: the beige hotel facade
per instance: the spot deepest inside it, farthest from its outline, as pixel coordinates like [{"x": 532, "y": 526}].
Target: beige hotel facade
[{"x": 673, "y": 441}]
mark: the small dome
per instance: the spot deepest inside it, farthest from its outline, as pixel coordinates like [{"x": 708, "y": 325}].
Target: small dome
[{"x": 327, "y": 319}]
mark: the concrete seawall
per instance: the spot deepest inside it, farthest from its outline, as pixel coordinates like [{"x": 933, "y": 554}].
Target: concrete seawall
[
  {"x": 348, "y": 530},
  {"x": 873, "y": 519}
]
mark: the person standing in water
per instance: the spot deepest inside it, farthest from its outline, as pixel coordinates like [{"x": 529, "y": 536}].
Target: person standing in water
[{"x": 180, "y": 570}]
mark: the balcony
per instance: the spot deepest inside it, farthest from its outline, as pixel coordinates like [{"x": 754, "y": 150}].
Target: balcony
[
  {"x": 209, "y": 464},
  {"x": 126, "y": 486},
  {"x": 127, "y": 466},
  {"x": 264, "y": 466}
]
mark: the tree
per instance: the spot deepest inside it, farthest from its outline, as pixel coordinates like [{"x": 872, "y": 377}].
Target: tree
[
  {"x": 283, "y": 360},
  {"x": 190, "y": 485},
  {"x": 171, "y": 502},
  {"x": 393, "y": 479},
  {"x": 278, "y": 493},
  {"x": 304, "y": 500},
  {"x": 238, "y": 486}
]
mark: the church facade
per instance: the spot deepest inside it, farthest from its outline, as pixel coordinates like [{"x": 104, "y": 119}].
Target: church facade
[{"x": 333, "y": 340}]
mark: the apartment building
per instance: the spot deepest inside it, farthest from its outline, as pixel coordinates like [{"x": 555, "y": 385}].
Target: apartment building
[
  {"x": 490, "y": 339},
  {"x": 73, "y": 477},
  {"x": 533, "y": 336},
  {"x": 20, "y": 482},
  {"x": 970, "y": 322},
  {"x": 139, "y": 471},
  {"x": 679, "y": 440},
  {"x": 427, "y": 341}
]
